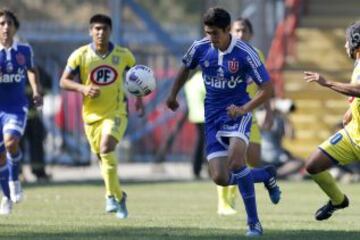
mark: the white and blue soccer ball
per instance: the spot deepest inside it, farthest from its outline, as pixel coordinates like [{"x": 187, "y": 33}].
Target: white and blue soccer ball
[{"x": 140, "y": 80}]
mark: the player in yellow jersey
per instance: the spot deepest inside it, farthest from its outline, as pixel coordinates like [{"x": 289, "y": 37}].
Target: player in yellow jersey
[
  {"x": 100, "y": 66},
  {"x": 242, "y": 29},
  {"x": 344, "y": 146}
]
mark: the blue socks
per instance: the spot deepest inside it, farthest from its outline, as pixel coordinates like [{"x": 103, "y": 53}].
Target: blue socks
[
  {"x": 259, "y": 175},
  {"x": 13, "y": 162},
  {"x": 4, "y": 180},
  {"x": 244, "y": 179}
]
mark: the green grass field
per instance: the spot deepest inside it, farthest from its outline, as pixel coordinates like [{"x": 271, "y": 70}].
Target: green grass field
[{"x": 175, "y": 210}]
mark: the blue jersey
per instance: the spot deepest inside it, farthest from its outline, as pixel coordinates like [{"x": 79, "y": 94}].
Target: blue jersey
[
  {"x": 225, "y": 74},
  {"x": 14, "y": 63}
]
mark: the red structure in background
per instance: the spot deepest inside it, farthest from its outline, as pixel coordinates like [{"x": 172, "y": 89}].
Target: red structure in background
[{"x": 283, "y": 45}]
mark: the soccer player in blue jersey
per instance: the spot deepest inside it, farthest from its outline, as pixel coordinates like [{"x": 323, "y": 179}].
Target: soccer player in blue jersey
[
  {"x": 226, "y": 63},
  {"x": 16, "y": 68}
]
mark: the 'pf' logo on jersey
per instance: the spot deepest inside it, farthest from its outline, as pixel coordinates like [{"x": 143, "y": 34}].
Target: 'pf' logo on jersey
[
  {"x": 103, "y": 75},
  {"x": 233, "y": 66}
]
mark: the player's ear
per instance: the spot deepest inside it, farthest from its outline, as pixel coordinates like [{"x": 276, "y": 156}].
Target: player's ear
[{"x": 228, "y": 28}]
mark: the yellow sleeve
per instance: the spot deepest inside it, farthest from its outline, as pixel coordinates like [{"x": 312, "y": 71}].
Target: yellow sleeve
[
  {"x": 130, "y": 59},
  {"x": 261, "y": 55},
  {"x": 73, "y": 63}
]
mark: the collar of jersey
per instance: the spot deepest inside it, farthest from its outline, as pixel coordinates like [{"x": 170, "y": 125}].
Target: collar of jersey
[
  {"x": 111, "y": 47},
  {"x": 231, "y": 46},
  {"x": 13, "y": 46}
]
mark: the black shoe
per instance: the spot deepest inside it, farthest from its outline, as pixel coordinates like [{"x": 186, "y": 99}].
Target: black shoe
[{"x": 328, "y": 209}]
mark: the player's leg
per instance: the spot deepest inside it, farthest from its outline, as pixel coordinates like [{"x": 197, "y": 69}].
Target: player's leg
[
  {"x": 13, "y": 129},
  {"x": 332, "y": 151},
  {"x": 267, "y": 175},
  {"x": 93, "y": 133},
  {"x": 241, "y": 175},
  {"x": 225, "y": 205},
  {"x": 112, "y": 132},
  {"x": 198, "y": 159},
  {"x": 6, "y": 204},
  {"x": 13, "y": 156}
]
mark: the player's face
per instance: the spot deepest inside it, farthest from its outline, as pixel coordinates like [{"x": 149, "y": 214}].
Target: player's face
[
  {"x": 241, "y": 31},
  {"x": 220, "y": 38},
  {"x": 7, "y": 29},
  {"x": 100, "y": 33}
]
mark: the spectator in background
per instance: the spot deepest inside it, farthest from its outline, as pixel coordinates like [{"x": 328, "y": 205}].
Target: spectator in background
[
  {"x": 34, "y": 135},
  {"x": 195, "y": 96},
  {"x": 272, "y": 150}
]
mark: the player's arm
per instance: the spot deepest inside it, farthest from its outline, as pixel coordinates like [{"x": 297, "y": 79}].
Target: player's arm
[
  {"x": 269, "y": 116},
  {"x": 33, "y": 76},
  {"x": 67, "y": 82},
  {"x": 180, "y": 80},
  {"x": 262, "y": 96},
  {"x": 347, "y": 117},
  {"x": 349, "y": 89}
]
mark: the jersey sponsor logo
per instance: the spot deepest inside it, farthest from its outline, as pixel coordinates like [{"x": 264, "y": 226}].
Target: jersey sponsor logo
[
  {"x": 233, "y": 66},
  {"x": 103, "y": 75},
  {"x": 20, "y": 59},
  {"x": 222, "y": 83},
  {"x": 13, "y": 78}
]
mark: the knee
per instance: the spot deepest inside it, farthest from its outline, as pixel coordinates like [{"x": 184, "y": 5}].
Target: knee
[
  {"x": 11, "y": 145},
  {"x": 220, "y": 179},
  {"x": 2, "y": 159},
  {"x": 312, "y": 168},
  {"x": 106, "y": 148}
]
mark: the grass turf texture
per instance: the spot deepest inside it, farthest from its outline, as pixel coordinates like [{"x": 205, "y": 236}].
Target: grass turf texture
[{"x": 175, "y": 210}]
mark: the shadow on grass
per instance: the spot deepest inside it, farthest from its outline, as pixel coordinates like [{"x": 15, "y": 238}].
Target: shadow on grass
[
  {"x": 157, "y": 233},
  {"x": 99, "y": 182}
]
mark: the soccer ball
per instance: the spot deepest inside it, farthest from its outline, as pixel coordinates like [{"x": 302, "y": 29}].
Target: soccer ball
[{"x": 140, "y": 80}]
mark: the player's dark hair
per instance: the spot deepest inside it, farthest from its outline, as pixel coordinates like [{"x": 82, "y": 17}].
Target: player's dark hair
[
  {"x": 6, "y": 12},
  {"x": 101, "y": 18},
  {"x": 217, "y": 17},
  {"x": 353, "y": 37},
  {"x": 247, "y": 23}
]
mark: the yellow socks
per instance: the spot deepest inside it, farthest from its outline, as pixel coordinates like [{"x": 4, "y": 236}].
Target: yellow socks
[
  {"x": 226, "y": 200},
  {"x": 109, "y": 173},
  {"x": 328, "y": 185}
]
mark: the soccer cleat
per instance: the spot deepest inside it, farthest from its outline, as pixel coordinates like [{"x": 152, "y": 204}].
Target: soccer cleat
[
  {"x": 16, "y": 193},
  {"x": 122, "y": 211},
  {"x": 328, "y": 209},
  {"x": 5, "y": 206},
  {"x": 271, "y": 185},
  {"x": 111, "y": 204},
  {"x": 255, "y": 230},
  {"x": 226, "y": 211}
]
